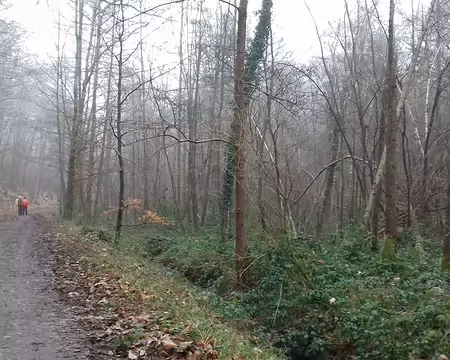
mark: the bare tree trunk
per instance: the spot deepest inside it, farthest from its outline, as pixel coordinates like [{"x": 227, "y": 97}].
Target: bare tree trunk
[
  {"x": 157, "y": 200},
  {"x": 144, "y": 116},
  {"x": 89, "y": 68},
  {"x": 260, "y": 150},
  {"x": 406, "y": 168},
  {"x": 61, "y": 154},
  {"x": 329, "y": 180},
  {"x": 224, "y": 71},
  {"x": 119, "y": 58},
  {"x": 446, "y": 248},
  {"x": 93, "y": 122},
  {"x": 193, "y": 115},
  {"x": 286, "y": 220},
  {"x": 402, "y": 99},
  {"x": 77, "y": 114},
  {"x": 379, "y": 155},
  {"x": 180, "y": 106},
  {"x": 104, "y": 158},
  {"x": 212, "y": 125},
  {"x": 429, "y": 128},
  {"x": 341, "y": 189},
  {"x": 240, "y": 115},
  {"x": 390, "y": 208}
]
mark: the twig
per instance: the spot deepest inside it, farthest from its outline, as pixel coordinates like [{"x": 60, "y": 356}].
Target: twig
[
  {"x": 230, "y": 4},
  {"x": 278, "y": 302},
  {"x": 321, "y": 171}
]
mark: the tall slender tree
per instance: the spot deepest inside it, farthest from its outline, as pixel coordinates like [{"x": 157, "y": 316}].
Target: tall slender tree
[
  {"x": 390, "y": 209},
  {"x": 76, "y": 125},
  {"x": 252, "y": 62},
  {"x": 240, "y": 114}
]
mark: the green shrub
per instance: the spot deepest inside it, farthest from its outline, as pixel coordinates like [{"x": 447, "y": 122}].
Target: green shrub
[{"x": 96, "y": 234}]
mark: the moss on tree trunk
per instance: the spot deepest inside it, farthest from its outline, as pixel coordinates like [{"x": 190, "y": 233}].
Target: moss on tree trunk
[{"x": 389, "y": 248}]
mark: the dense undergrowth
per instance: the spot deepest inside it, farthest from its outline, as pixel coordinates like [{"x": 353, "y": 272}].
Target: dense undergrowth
[{"x": 333, "y": 298}]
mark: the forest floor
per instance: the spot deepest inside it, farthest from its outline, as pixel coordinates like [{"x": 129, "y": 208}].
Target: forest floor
[{"x": 65, "y": 297}]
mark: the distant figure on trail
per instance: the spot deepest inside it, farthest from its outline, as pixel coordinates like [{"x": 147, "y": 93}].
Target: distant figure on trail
[
  {"x": 25, "y": 204},
  {"x": 19, "y": 205}
]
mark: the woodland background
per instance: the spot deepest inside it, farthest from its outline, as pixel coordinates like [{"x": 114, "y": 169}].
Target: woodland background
[{"x": 312, "y": 169}]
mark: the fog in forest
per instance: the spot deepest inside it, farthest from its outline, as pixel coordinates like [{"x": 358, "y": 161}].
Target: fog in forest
[
  {"x": 63, "y": 62},
  {"x": 280, "y": 153},
  {"x": 135, "y": 101}
]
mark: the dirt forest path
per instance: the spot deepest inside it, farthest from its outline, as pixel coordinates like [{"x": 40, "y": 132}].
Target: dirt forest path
[{"x": 34, "y": 325}]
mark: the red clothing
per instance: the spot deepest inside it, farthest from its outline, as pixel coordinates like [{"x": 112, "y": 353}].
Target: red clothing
[{"x": 25, "y": 203}]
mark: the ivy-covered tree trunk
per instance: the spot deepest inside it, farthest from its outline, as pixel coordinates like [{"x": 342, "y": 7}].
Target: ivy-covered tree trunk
[
  {"x": 228, "y": 186},
  {"x": 252, "y": 62}
]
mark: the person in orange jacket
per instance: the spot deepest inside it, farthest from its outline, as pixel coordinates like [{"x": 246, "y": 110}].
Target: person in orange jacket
[{"x": 25, "y": 204}]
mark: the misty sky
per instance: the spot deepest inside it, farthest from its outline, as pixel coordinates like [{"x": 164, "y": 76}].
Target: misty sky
[{"x": 292, "y": 23}]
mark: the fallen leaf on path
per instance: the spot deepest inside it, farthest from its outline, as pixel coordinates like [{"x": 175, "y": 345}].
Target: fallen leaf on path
[
  {"x": 167, "y": 343},
  {"x": 132, "y": 356},
  {"x": 184, "y": 346}
]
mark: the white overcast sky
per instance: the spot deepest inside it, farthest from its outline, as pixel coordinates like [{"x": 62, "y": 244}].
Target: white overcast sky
[{"x": 292, "y": 22}]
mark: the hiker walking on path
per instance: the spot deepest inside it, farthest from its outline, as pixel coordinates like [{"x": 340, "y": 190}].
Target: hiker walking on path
[
  {"x": 19, "y": 205},
  {"x": 25, "y": 204}
]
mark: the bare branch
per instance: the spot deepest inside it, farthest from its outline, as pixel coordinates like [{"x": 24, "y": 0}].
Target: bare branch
[
  {"x": 230, "y": 4},
  {"x": 321, "y": 172}
]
